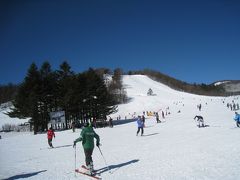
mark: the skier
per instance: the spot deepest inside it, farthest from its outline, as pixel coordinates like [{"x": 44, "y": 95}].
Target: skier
[
  {"x": 140, "y": 125},
  {"x": 163, "y": 115},
  {"x": 157, "y": 118},
  {"x": 199, "y": 107},
  {"x": 143, "y": 119},
  {"x": 110, "y": 122},
  {"x": 237, "y": 119},
  {"x": 73, "y": 126},
  {"x": 87, "y": 137},
  {"x": 50, "y": 135},
  {"x": 200, "y": 121}
]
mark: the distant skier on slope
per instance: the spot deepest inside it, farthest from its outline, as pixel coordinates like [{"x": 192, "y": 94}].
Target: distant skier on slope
[
  {"x": 200, "y": 121},
  {"x": 143, "y": 119},
  {"x": 237, "y": 119},
  {"x": 110, "y": 122},
  {"x": 87, "y": 137},
  {"x": 50, "y": 135},
  {"x": 157, "y": 118},
  {"x": 163, "y": 116},
  {"x": 140, "y": 125},
  {"x": 73, "y": 126}
]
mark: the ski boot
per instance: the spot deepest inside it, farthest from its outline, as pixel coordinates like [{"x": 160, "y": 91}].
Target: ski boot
[{"x": 90, "y": 170}]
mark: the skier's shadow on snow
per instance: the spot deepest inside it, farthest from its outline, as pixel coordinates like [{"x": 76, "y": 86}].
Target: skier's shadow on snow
[
  {"x": 150, "y": 134},
  {"x": 116, "y": 167},
  {"x": 21, "y": 176},
  {"x": 149, "y": 126},
  {"x": 202, "y": 126},
  {"x": 55, "y": 147},
  {"x": 62, "y": 146}
]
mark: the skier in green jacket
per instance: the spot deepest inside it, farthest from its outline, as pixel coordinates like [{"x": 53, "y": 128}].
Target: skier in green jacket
[{"x": 87, "y": 137}]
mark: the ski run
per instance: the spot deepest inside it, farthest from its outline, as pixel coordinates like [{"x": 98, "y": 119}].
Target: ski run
[{"x": 175, "y": 149}]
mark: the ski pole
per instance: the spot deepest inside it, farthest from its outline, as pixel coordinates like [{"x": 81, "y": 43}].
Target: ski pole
[
  {"x": 104, "y": 159},
  {"x": 75, "y": 159}
]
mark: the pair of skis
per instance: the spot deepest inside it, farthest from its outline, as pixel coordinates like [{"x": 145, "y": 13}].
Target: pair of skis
[{"x": 83, "y": 171}]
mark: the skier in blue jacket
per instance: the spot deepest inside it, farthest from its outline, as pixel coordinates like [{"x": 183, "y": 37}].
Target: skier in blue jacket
[
  {"x": 140, "y": 124},
  {"x": 237, "y": 119}
]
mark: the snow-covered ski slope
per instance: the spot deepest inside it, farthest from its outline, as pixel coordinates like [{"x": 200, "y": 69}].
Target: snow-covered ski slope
[
  {"x": 175, "y": 149},
  {"x": 137, "y": 87}
]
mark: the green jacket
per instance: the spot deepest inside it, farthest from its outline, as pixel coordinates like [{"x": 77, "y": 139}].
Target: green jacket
[{"x": 87, "y": 137}]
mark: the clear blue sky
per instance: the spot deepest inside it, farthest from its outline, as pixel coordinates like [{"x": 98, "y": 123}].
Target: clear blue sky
[{"x": 191, "y": 40}]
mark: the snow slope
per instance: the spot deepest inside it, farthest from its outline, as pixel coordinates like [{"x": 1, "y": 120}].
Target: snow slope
[
  {"x": 4, "y": 119},
  {"x": 174, "y": 149}
]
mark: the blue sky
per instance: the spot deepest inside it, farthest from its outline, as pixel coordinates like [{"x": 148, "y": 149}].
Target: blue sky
[{"x": 191, "y": 40}]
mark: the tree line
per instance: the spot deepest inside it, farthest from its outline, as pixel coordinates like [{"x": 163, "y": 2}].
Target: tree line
[
  {"x": 83, "y": 96},
  {"x": 7, "y": 92}
]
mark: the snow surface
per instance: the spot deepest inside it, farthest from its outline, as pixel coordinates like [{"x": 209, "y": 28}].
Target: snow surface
[
  {"x": 175, "y": 149},
  {"x": 4, "y": 119}
]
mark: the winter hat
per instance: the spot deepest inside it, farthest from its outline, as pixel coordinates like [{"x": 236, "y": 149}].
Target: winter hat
[{"x": 86, "y": 124}]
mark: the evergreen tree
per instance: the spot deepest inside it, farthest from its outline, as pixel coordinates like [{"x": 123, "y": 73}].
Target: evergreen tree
[
  {"x": 47, "y": 93},
  {"x": 99, "y": 102},
  {"x": 26, "y": 103},
  {"x": 65, "y": 79},
  {"x": 83, "y": 96},
  {"x": 116, "y": 88}
]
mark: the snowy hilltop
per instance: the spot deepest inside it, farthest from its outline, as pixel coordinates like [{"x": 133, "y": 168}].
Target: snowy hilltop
[{"x": 174, "y": 149}]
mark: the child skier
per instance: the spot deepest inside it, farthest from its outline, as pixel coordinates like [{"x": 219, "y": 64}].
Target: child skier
[
  {"x": 87, "y": 137},
  {"x": 50, "y": 135}
]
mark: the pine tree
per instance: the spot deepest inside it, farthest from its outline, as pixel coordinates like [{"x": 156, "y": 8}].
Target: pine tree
[
  {"x": 65, "y": 80},
  {"x": 100, "y": 102},
  {"x": 26, "y": 103},
  {"x": 116, "y": 87},
  {"x": 81, "y": 96},
  {"x": 47, "y": 93}
]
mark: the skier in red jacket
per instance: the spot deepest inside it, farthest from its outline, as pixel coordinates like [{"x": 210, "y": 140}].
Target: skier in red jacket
[{"x": 50, "y": 135}]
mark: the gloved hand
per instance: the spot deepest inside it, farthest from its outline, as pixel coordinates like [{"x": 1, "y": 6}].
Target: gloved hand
[
  {"x": 97, "y": 144},
  {"x": 74, "y": 144}
]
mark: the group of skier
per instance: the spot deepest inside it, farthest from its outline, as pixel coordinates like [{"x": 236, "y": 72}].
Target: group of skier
[
  {"x": 87, "y": 138},
  {"x": 88, "y": 134}
]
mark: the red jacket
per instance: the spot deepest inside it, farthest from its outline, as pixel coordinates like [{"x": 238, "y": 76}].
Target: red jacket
[{"x": 50, "y": 134}]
